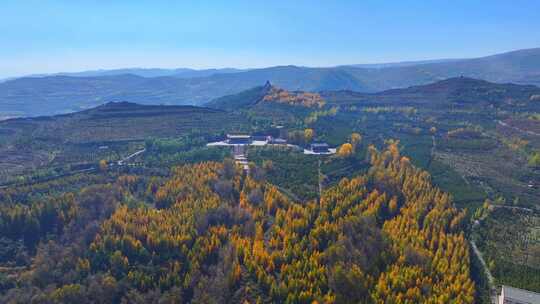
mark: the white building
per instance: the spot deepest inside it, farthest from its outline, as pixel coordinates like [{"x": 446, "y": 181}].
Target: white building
[{"x": 511, "y": 295}]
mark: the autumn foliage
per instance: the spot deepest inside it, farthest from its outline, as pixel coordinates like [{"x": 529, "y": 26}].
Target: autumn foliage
[
  {"x": 385, "y": 237},
  {"x": 345, "y": 150},
  {"x": 213, "y": 233},
  {"x": 305, "y": 99}
]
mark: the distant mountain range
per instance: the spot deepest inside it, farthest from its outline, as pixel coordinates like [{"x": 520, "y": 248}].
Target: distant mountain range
[
  {"x": 400, "y": 63},
  {"x": 31, "y": 96},
  {"x": 146, "y": 72}
]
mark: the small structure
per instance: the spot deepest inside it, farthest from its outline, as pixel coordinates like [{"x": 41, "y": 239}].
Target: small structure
[
  {"x": 278, "y": 141},
  {"x": 257, "y": 140},
  {"x": 239, "y": 153},
  {"x": 511, "y": 295},
  {"x": 242, "y": 161},
  {"x": 244, "y": 140},
  {"x": 319, "y": 148},
  {"x": 239, "y": 139},
  {"x": 261, "y": 137}
]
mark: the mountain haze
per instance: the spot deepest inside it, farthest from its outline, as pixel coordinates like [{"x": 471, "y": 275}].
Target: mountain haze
[
  {"x": 31, "y": 96},
  {"x": 145, "y": 72}
]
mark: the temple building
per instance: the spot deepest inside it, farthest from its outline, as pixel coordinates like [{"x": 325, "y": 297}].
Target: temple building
[
  {"x": 239, "y": 139},
  {"x": 320, "y": 148}
]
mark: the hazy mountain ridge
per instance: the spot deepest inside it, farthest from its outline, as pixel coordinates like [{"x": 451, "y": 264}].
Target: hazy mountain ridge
[
  {"x": 401, "y": 63},
  {"x": 60, "y": 94},
  {"x": 142, "y": 72}
]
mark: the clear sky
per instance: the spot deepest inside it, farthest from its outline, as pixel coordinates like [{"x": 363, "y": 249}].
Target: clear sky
[{"x": 44, "y": 36}]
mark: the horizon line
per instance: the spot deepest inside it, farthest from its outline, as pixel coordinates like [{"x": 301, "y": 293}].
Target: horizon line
[{"x": 243, "y": 69}]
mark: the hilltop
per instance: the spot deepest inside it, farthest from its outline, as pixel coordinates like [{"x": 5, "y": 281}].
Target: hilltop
[
  {"x": 267, "y": 94},
  {"x": 241, "y": 100}
]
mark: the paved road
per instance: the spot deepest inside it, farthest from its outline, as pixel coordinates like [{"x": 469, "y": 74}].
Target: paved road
[
  {"x": 289, "y": 194},
  {"x": 502, "y": 123},
  {"x": 121, "y": 162},
  {"x": 491, "y": 281},
  {"x": 48, "y": 178},
  {"x": 513, "y": 208},
  {"x": 432, "y": 150},
  {"x": 484, "y": 265},
  {"x": 320, "y": 180}
]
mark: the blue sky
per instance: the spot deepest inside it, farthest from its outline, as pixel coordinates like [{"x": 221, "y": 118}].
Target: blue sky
[{"x": 40, "y": 36}]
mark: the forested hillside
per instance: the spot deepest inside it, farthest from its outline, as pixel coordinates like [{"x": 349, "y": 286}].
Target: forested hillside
[
  {"x": 211, "y": 233},
  {"x": 126, "y": 202}
]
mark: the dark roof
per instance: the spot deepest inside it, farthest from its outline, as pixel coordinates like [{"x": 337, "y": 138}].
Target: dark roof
[{"x": 319, "y": 145}]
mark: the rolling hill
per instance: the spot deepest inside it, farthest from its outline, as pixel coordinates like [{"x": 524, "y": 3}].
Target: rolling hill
[
  {"x": 28, "y": 144},
  {"x": 120, "y": 121},
  {"x": 456, "y": 91}
]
